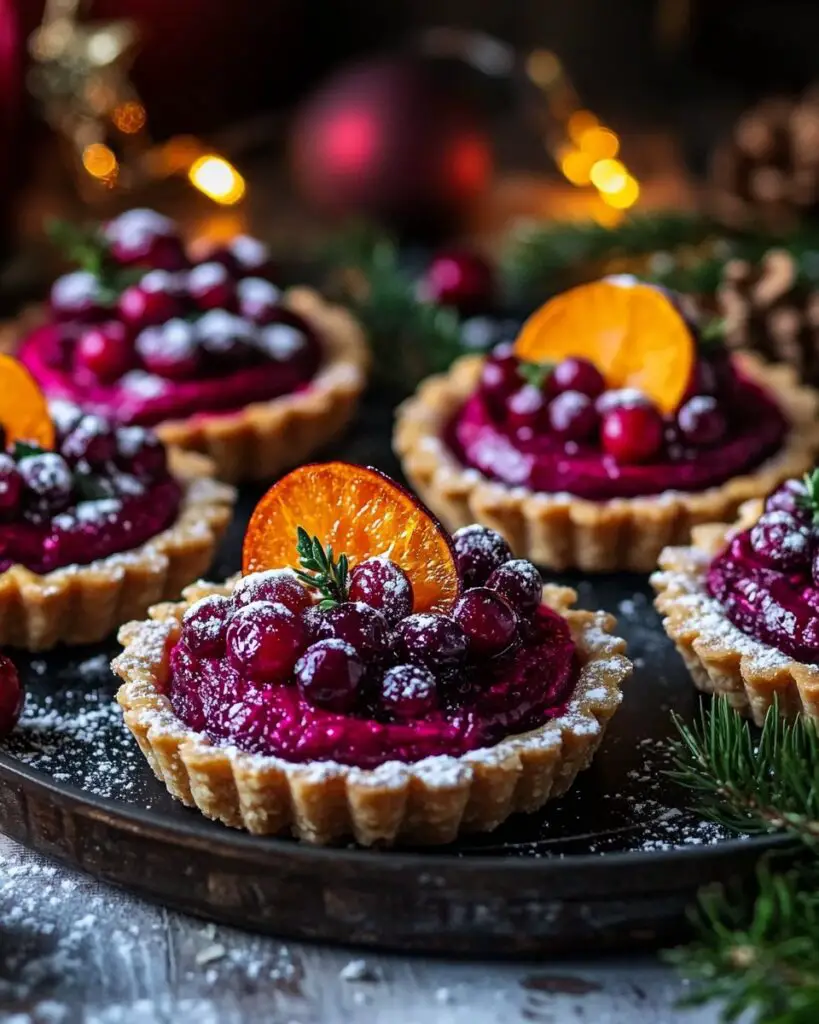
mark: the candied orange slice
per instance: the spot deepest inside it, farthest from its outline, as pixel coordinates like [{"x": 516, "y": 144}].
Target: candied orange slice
[
  {"x": 360, "y": 513},
  {"x": 632, "y": 332},
  {"x": 23, "y": 407}
]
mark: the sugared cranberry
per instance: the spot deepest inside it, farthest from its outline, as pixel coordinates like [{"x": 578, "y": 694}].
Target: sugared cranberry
[
  {"x": 486, "y": 618},
  {"x": 408, "y": 692},
  {"x": 76, "y": 296},
  {"x": 701, "y": 421},
  {"x": 572, "y": 416},
  {"x": 92, "y": 440},
  {"x": 11, "y": 486},
  {"x": 436, "y": 641},
  {"x": 358, "y": 625},
  {"x": 11, "y": 696},
  {"x": 814, "y": 568},
  {"x": 329, "y": 673},
  {"x": 791, "y": 497},
  {"x": 574, "y": 374},
  {"x": 500, "y": 377},
  {"x": 224, "y": 337},
  {"x": 632, "y": 433},
  {"x": 312, "y": 620},
  {"x": 518, "y": 582},
  {"x": 265, "y": 640},
  {"x": 781, "y": 541},
  {"x": 170, "y": 350},
  {"x": 203, "y": 626},
  {"x": 621, "y": 398},
  {"x": 48, "y": 482},
  {"x": 258, "y": 299},
  {"x": 526, "y": 408},
  {"x": 64, "y": 415},
  {"x": 275, "y": 585},
  {"x": 282, "y": 343},
  {"x": 479, "y": 551},
  {"x": 458, "y": 278},
  {"x": 211, "y": 286},
  {"x": 249, "y": 256},
  {"x": 152, "y": 300},
  {"x": 104, "y": 350},
  {"x": 140, "y": 452},
  {"x": 382, "y": 585},
  {"x": 145, "y": 236}
]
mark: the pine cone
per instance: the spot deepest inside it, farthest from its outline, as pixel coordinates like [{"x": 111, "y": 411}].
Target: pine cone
[
  {"x": 769, "y": 311},
  {"x": 767, "y": 174}
]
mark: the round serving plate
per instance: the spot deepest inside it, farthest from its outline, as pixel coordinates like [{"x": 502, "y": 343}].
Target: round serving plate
[{"x": 615, "y": 861}]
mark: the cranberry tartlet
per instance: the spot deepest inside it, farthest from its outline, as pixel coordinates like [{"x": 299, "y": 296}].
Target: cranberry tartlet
[
  {"x": 742, "y": 603},
  {"x": 207, "y": 351},
  {"x": 369, "y": 676},
  {"x": 608, "y": 429},
  {"x": 97, "y": 522}
]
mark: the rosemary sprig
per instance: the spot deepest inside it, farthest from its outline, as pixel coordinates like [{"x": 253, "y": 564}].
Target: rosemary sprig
[
  {"x": 321, "y": 570},
  {"x": 810, "y": 501},
  {"x": 536, "y": 374}
]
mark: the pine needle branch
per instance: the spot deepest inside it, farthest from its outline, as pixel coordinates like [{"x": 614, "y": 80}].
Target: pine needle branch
[{"x": 321, "y": 570}]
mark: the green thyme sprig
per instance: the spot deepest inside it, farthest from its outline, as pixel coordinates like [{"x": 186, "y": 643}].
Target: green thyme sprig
[
  {"x": 536, "y": 374},
  {"x": 321, "y": 570},
  {"x": 810, "y": 500}
]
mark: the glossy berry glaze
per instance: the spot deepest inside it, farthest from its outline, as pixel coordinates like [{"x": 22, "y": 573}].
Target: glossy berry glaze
[
  {"x": 104, "y": 490},
  {"x": 767, "y": 578},
  {"x": 152, "y": 337},
  {"x": 565, "y": 433},
  {"x": 342, "y": 685}
]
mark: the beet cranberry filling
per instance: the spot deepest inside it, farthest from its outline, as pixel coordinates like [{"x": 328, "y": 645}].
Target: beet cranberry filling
[
  {"x": 562, "y": 432},
  {"x": 767, "y": 578},
  {"x": 363, "y": 682},
  {"x": 101, "y": 492},
  {"x": 147, "y": 336}
]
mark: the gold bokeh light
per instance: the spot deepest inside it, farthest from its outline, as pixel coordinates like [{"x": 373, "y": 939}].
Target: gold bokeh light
[{"x": 217, "y": 179}]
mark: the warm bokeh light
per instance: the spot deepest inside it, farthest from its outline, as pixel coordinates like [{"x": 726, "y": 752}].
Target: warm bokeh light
[
  {"x": 100, "y": 162},
  {"x": 624, "y": 197},
  {"x": 608, "y": 176},
  {"x": 544, "y": 68},
  {"x": 217, "y": 179},
  {"x": 129, "y": 117},
  {"x": 576, "y": 166},
  {"x": 579, "y": 123},
  {"x": 600, "y": 143}
]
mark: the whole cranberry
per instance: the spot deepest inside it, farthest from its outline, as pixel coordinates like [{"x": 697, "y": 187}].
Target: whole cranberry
[
  {"x": 382, "y": 585},
  {"x": 781, "y": 541},
  {"x": 487, "y": 620},
  {"x": 575, "y": 374},
  {"x": 204, "y": 625},
  {"x": 572, "y": 416},
  {"x": 258, "y": 299},
  {"x": 12, "y": 696},
  {"x": 479, "y": 551},
  {"x": 632, "y": 434},
  {"x": 153, "y": 300},
  {"x": 526, "y": 408},
  {"x": 329, "y": 675},
  {"x": 459, "y": 278},
  {"x": 104, "y": 350},
  {"x": 249, "y": 257},
  {"x": 791, "y": 497},
  {"x": 76, "y": 296},
  {"x": 140, "y": 452},
  {"x": 408, "y": 692},
  {"x": 701, "y": 421},
  {"x": 48, "y": 484},
  {"x": 225, "y": 338},
  {"x": 11, "y": 486},
  {"x": 265, "y": 640},
  {"x": 282, "y": 343},
  {"x": 519, "y": 583},
  {"x": 64, "y": 415},
  {"x": 211, "y": 286},
  {"x": 276, "y": 585},
  {"x": 170, "y": 350},
  {"x": 435, "y": 641},
  {"x": 145, "y": 237},
  {"x": 500, "y": 377},
  {"x": 621, "y": 398},
  {"x": 357, "y": 624},
  {"x": 92, "y": 440}
]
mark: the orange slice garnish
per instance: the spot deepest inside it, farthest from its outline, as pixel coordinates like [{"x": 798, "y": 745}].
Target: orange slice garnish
[
  {"x": 630, "y": 331},
  {"x": 360, "y": 513},
  {"x": 23, "y": 407}
]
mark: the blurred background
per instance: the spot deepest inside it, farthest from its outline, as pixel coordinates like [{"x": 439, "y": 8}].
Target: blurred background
[{"x": 438, "y": 121}]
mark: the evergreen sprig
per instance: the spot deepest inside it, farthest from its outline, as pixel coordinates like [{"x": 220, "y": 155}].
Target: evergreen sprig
[
  {"x": 810, "y": 501},
  {"x": 536, "y": 374},
  {"x": 321, "y": 570},
  {"x": 83, "y": 245}
]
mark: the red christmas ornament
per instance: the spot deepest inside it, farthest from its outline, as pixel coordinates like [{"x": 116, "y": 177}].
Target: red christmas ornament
[
  {"x": 393, "y": 141},
  {"x": 459, "y": 278}
]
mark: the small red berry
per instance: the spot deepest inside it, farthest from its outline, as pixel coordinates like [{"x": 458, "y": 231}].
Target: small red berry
[
  {"x": 519, "y": 583},
  {"x": 382, "y": 585},
  {"x": 105, "y": 350},
  {"x": 211, "y": 286},
  {"x": 276, "y": 585},
  {"x": 329, "y": 674},
  {"x": 573, "y": 374},
  {"x": 436, "y": 641},
  {"x": 140, "y": 452},
  {"x": 92, "y": 440},
  {"x": 12, "y": 696},
  {"x": 150, "y": 301},
  {"x": 781, "y": 541},
  {"x": 170, "y": 350},
  {"x": 632, "y": 434},
  {"x": 572, "y": 416},
  {"x": 204, "y": 626},
  {"x": 357, "y": 624},
  {"x": 487, "y": 620},
  {"x": 459, "y": 278},
  {"x": 76, "y": 296},
  {"x": 409, "y": 692},
  {"x": 701, "y": 421},
  {"x": 11, "y": 486},
  {"x": 146, "y": 237},
  {"x": 500, "y": 377},
  {"x": 258, "y": 299},
  {"x": 265, "y": 640},
  {"x": 791, "y": 497},
  {"x": 526, "y": 408},
  {"x": 479, "y": 551}
]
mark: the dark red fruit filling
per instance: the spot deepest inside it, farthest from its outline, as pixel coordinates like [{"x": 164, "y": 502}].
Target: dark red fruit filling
[
  {"x": 103, "y": 490},
  {"x": 557, "y": 429},
  {"x": 328, "y": 680},
  {"x": 12, "y": 696},
  {"x": 766, "y": 578},
  {"x": 179, "y": 340}
]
